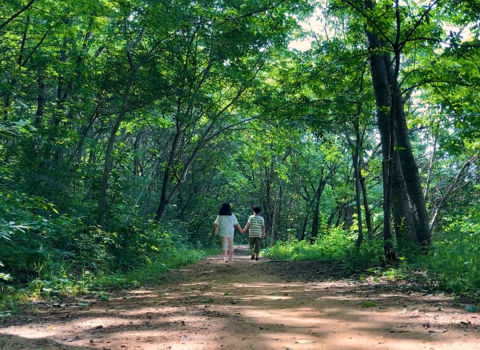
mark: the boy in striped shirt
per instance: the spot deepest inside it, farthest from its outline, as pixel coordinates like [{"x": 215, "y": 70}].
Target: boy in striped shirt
[{"x": 256, "y": 224}]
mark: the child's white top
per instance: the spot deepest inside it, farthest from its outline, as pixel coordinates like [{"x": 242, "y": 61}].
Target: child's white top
[{"x": 226, "y": 225}]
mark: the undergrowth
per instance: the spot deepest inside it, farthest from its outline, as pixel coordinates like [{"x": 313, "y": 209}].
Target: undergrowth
[
  {"x": 99, "y": 283},
  {"x": 337, "y": 245},
  {"x": 451, "y": 264}
]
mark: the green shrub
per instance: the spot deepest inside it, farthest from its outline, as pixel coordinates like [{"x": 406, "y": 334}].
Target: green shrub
[
  {"x": 336, "y": 245},
  {"x": 455, "y": 256},
  {"x": 331, "y": 246}
]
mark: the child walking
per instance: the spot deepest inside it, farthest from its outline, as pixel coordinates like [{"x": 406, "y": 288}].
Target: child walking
[
  {"x": 224, "y": 225},
  {"x": 256, "y": 224}
]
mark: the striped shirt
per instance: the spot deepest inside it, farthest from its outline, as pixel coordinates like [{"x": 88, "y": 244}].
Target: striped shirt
[{"x": 256, "y": 223}]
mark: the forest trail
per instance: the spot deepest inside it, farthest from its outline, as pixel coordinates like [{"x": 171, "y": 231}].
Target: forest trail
[{"x": 250, "y": 305}]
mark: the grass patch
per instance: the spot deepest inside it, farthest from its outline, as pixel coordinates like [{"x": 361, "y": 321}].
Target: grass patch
[
  {"x": 451, "y": 265},
  {"x": 99, "y": 284},
  {"x": 331, "y": 246}
]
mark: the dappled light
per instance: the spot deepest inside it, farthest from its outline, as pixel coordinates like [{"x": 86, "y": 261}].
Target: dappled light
[
  {"x": 248, "y": 305},
  {"x": 334, "y": 143}
]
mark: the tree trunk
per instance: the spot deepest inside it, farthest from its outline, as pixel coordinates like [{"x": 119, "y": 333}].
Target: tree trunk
[
  {"x": 41, "y": 97},
  {"x": 348, "y": 217},
  {"x": 430, "y": 167},
  {"x": 164, "y": 200},
  {"x": 272, "y": 233},
  {"x": 304, "y": 228},
  {"x": 316, "y": 214},
  {"x": 331, "y": 217},
  {"x": 383, "y": 100},
  {"x": 341, "y": 209},
  {"x": 411, "y": 176},
  {"x": 356, "y": 168},
  {"x": 368, "y": 218},
  {"x": 108, "y": 152},
  {"x": 415, "y": 206},
  {"x": 403, "y": 222},
  {"x": 136, "y": 161}
]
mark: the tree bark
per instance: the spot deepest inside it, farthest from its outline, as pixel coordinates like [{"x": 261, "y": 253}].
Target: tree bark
[
  {"x": 304, "y": 228},
  {"x": 316, "y": 214},
  {"x": 108, "y": 152},
  {"x": 41, "y": 97},
  {"x": 164, "y": 200},
  {"x": 272, "y": 232},
  {"x": 411, "y": 176},
  {"x": 368, "y": 218},
  {"x": 356, "y": 168},
  {"x": 136, "y": 160},
  {"x": 331, "y": 217},
  {"x": 403, "y": 221},
  {"x": 415, "y": 207},
  {"x": 430, "y": 167},
  {"x": 384, "y": 120}
]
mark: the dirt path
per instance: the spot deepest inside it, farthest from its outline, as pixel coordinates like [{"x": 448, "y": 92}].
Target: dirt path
[{"x": 250, "y": 305}]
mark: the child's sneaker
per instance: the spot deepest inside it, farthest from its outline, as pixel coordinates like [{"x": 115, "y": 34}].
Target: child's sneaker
[
  {"x": 225, "y": 259},
  {"x": 252, "y": 257},
  {"x": 257, "y": 258},
  {"x": 233, "y": 257}
]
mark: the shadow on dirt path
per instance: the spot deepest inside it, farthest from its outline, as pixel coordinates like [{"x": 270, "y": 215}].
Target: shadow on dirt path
[{"x": 251, "y": 305}]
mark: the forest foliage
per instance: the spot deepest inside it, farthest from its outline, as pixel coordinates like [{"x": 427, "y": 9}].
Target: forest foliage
[{"x": 124, "y": 126}]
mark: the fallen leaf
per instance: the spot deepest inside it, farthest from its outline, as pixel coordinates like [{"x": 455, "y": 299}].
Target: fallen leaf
[
  {"x": 437, "y": 330},
  {"x": 305, "y": 341},
  {"x": 368, "y": 304}
]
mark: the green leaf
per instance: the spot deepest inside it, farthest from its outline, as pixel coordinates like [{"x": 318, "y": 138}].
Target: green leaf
[{"x": 368, "y": 304}]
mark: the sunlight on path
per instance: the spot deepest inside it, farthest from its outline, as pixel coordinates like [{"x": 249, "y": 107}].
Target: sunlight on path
[{"x": 249, "y": 305}]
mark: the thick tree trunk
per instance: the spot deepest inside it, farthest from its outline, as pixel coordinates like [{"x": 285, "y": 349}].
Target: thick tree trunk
[
  {"x": 411, "y": 176},
  {"x": 403, "y": 222},
  {"x": 415, "y": 208},
  {"x": 383, "y": 100}
]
